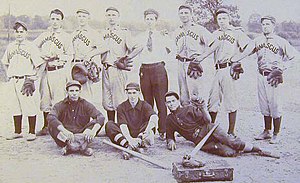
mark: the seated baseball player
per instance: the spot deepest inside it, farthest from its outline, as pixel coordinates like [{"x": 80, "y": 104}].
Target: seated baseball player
[
  {"x": 193, "y": 122},
  {"x": 69, "y": 122},
  {"x": 136, "y": 122}
]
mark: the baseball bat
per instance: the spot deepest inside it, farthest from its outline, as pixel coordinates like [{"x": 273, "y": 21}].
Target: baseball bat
[
  {"x": 202, "y": 142},
  {"x": 138, "y": 155}
]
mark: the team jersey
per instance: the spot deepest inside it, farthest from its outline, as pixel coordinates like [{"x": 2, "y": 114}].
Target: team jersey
[
  {"x": 191, "y": 41},
  {"x": 22, "y": 58}
]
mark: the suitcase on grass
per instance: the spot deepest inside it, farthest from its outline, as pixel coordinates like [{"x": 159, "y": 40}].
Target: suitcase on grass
[{"x": 217, "y": 170}]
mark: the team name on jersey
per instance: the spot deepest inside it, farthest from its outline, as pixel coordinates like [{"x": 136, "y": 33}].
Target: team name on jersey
[
  {"x": 269, "y": 46},
  {"x": 21, "y": 52},
  {"x": 113, "y": 36},
  {"x": 54, "y": 40},
  {"x": 82, "y": 38},
  {"x": 226, "y": 37},
  {"x": 189, "y": 33}
]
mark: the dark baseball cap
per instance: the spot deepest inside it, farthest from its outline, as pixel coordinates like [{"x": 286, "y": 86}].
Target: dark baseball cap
[
  {"x": 83, "y": 11},
  {"x": 185, "y": 6},
  {"x": 58, "y": 12},
  {"x": 112, "y": 8},
  {"x": 222, "y": 10},
  {"x": 268, "y": 17},
  {"x": 172, "y": 93},
  {"x": 73, "y": 83},
  {"x": 20, "y": 24},
  {"x": 133, "y": 86},
  {"x": 151, "y": 11}
]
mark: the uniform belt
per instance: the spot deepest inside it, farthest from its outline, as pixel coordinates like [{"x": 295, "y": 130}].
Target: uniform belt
[
  {"x": 19, "y": 77},
  {"x": 264, "y": 73},
  {"x": 76, "y": 60},
  {"x": 222, "y": 66},
  {"x": 153, "y": 64},
  {"x": 184, "y": 59},
  {"x": 53, "y": 68}
]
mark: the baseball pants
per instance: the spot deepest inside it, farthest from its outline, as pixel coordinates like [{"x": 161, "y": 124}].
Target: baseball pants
[
  {"x": 154, "y": 85},
  {"x": 269, "y": 97},
  {"x": 223, "y": 90},
  {"x": 188, "y": 86},
  {"x": 113, "y": 88}
]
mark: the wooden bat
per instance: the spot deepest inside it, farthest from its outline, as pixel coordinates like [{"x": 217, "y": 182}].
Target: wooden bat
[{"x": 138, "y": 155}]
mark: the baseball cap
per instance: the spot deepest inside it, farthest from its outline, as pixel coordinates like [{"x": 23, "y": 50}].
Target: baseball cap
[
  {"x": 172, "y": 93},
  {"x": 133, "y": 86},
  {"x": 73, "y": 83},
  {"x": 58, "y": 12},
  {"x": 83, "y": 11},
  {"x": 112, "y": 8},
  {"x": 222, "y": 10},
  {"x": 20, "y": 24},
  {"x": 151, "y": 11},
  {"x": 268, "y": 17},
  {"x": 185, "y": 6}
]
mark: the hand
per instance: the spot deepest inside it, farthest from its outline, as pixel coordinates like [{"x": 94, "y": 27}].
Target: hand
[
  {"x": 198, "y": 102},
  {"x": 148, "y": 137},
  {"x": 171, "y": 145},
  {"x": 135, "y": 142},
  {"x": 89, "y": 135},
  {"x": 69, "y": 135}
]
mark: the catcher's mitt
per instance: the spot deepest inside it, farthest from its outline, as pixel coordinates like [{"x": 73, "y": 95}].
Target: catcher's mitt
[
  {"x": 190, "y": 162},
  {"x": 78, "y": 145},
  {"x": 195, "y": 70},
  {"x": 93, "y": 71},
  {"x": 235, "y": 70},
  {"x": 124, "y": 63},
  {"x": 197, "y": 102},
  {"x": 28, "y": 87},
  {"x": 80, "y": 73},
  {"x": 275, "y": 77}
]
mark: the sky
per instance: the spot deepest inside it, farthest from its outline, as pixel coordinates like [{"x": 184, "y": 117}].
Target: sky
[{"x": 132, "y": 10}]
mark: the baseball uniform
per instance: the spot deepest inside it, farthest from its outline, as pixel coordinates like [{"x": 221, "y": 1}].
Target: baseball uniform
[{"x": 191, "y": 41}]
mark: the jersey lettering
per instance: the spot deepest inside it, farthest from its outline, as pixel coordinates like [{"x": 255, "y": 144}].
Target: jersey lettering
[
  {"x": 113, "y": 36},
  {"x": 226, "y": 37},
  {"x": 267, "y": 46},
  {"x": 82, "y": 38},
  {"x": 21, "y": 52},
  {"x": 189, "y": 33},
  {"x": 54, "y": 40}
]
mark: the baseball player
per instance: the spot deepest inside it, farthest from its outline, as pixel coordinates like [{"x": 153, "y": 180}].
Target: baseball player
[
  {"x": 86, "y": 45},
  {"x": 190, "y": 39},
  {"x": 153, "y": 75},
  {"x": 22, "y": 61},
  {"x": 137, "y": 122},
  {"x": 121, "y": 47},
  {"x": 228, "y": 41},
  {"x": 69, "y": 122},
  {"x": 271, "y": 51},
  {"x": 55, "y": 47}
]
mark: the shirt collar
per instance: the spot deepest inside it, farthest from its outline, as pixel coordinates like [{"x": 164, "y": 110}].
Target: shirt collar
[
  {"x": 117, "y": 27},
  {"x": 192, "y": 24},
  {"x": 129, "y": 106},
  {"x": 57, "y": 31},
  {"x": 85, "y": 28},
  {"x": 270, "y": 36},
  {"x": 67, "y": 100},
  {"x": 230, "y": 27},
  {"x": 21, "y": 43}
]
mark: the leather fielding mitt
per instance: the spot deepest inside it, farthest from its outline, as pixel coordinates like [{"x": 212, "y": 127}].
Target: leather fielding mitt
[
  {"x": 80, "y": 73},
  {"x": 93, "y": 71},
  {"x": 235, "y": 70},
  {"x": 275, "y": 77},
  {"x": 195, "y": 70},
  {"x": 78, "y": 145},
  {"x": 124, "y": 63},
  {"x": 190, "y": 162},
  {"x": 198, "y": 102},
  {"x": 28, "y": 87}
]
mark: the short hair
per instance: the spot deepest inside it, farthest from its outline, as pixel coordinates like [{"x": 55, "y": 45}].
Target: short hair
[
  {"x": 172, "y": 93},
  {"x": 151, "y": 11},
  {"x": 112, "y": 9},
  {"x": 185, "y": 6},
  {"x": 58, "y": 12}
]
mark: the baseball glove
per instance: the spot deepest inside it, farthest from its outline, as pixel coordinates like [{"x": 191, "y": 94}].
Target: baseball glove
[
  {"x": 195, "y": 70},
  {"x": 78, "y": 145},
  {"x": 197, "y": 102},
  {"x": 93, "y": 71},
  {"x": 275, "y": 77},
  {"x": 235, "y": 70},
  {"x": 124, "y": 63},
  {"x": 80, "y": 73},
  {"x": 28, "y": 87},
  {"x": 190, "y": 162}
]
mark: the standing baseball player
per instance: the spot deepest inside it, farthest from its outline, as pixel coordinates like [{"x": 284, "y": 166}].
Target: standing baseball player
[
  {"x": 271, "y": 51},
  {"x": 55, "y": 47},
  {"x": 137, "y": 122},
  {"x": 228, "y": 41},
  {"x": 22, "y": 60},
  {"x": 153, "y": 75},
  {"x": 86, "y": 45},
  {"x": 121, "y": 51},
  {"x": 190, "y": 39}
]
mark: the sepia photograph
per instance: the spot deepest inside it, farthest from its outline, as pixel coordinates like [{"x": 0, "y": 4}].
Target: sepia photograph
[{"x": 149, "y": 91}]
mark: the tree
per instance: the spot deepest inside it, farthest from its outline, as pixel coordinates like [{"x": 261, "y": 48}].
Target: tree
[
  {"x": 205, "y": 12},
  {"x": 254, "y": 24}
]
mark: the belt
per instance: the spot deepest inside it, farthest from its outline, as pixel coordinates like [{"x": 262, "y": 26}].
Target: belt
[
  {"x": 53, "y": 68},
  {"x": 19, "y": 77},
  {"x": 76, "y": 60},
  {"x": 264, "y": 72},
  {"x": 222, "y": 66},
  {"x": 184, "y": 59},
  {"x": 153, "y": 64}
]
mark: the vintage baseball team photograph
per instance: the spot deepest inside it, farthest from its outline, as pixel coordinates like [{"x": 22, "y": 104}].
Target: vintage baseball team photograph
[{"x": 149, "y": 91}]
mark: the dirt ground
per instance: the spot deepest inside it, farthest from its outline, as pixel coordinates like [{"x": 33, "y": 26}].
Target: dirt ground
[{"x": 41, "y": 161}]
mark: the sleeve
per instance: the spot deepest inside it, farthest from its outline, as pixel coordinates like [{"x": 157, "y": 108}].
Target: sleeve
[
  {"x": 121, "y": 116},
  {"x": 36, "y": 56},
  {"x": 94, "y": 113},
  {"x": 206, "y": 37},
  {"x": 147, "y": 110},
  {"x": 53, "y": 116},
  {"x": 5, "y": 60},
  {"x": 243, "y": 40},
  {"x": 289, "y": 51},
  {"x": 68, "y": 52},
  {"x": 38, "y": 40},
  {"x": 169, "y": 129}
]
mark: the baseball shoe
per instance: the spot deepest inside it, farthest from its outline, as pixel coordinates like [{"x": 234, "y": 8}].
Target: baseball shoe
[
  {"x": 264, "y": 135},
  {"x": 14, "y": 136},
  {"x": 162, "y": 136},
  {"x": 274, "y": 139},
  {"x": 44, "y": 131},
  {"x": 88, "y": 152},
  {"x": 231, "y": 135},
  {"x": 31, "y": 137},
  {"x": 65, "y": 151}
]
